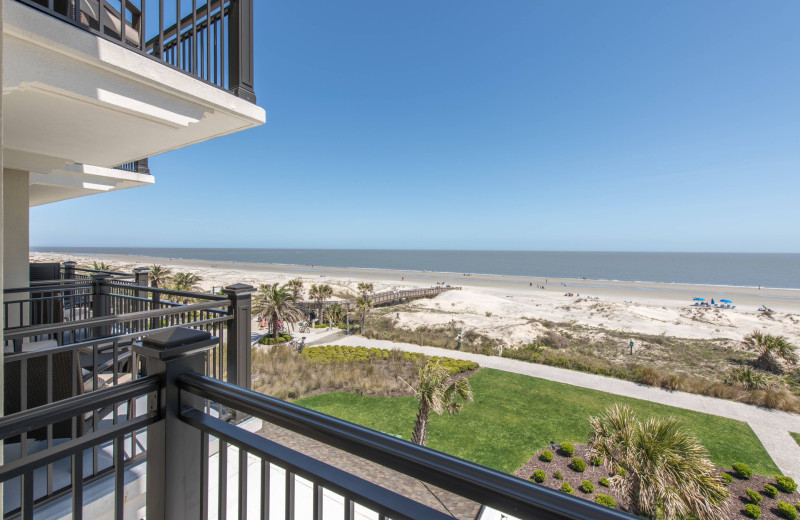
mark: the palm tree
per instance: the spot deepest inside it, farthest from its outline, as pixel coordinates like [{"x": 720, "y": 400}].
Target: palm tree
[
  {"x": 435, "y": 395},
  {"x": 320, "y": 293},
  {"x": 669, "y": 475},
  {"x": 278, "y": 303},
  {"x": 159, "y": 275},
  {"x": 335, "y": 313},
  {"x": 296, "y": 286},
  {"x": 365, "y": 288},
  {"x": 363, "y": 304},
  {"x": 102, "y": 266},
  {"x": 770, "y": 348},
  {"x": 187, "y": 282}
]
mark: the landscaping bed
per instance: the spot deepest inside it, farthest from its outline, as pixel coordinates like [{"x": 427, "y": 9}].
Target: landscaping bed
[{"x": 562, "y": 462}]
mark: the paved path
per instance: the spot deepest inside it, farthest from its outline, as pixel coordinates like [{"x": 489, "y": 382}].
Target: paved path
[{"x": 771, "y": 426}]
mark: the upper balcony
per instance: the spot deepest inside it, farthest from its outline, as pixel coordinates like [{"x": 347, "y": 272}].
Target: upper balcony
[{"x": 81, "y": 87}]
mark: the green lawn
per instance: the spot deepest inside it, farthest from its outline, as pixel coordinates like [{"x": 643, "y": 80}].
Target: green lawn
[
  {"x": 796, "y": 436},
  {"x": 514, "y": 416}
]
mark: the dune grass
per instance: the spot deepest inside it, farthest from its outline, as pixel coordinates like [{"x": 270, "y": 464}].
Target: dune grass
[
  {"x": 795, "y": 436},
  {"x": 514, "y": 416}
]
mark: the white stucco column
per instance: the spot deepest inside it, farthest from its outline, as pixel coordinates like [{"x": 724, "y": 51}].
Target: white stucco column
[{"x": 16, "y": 186}]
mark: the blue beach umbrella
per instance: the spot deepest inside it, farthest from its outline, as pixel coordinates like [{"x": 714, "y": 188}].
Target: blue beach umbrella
[
  {"x": 726, "y": 301},
  {"x": 699, "y": 299}
]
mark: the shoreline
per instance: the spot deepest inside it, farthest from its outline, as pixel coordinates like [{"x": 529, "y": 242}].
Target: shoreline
[
  {"x": 521, "y": 280},
  {"x": 130, "y": 258}
]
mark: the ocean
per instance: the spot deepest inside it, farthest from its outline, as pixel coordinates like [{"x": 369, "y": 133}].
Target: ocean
[{"x": 735, "y": 269}]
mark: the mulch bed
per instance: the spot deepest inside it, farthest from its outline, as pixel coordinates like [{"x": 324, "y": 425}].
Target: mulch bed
[{"x": 561, "y": 462}]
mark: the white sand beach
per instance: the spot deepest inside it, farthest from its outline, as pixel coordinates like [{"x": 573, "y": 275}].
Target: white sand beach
[{"x": 504, "y": 307}]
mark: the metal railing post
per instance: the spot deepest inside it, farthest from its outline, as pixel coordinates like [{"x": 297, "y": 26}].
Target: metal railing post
[
  {"x": 69, "y": 270},
  {"x": 141, "y": 278},
  {"x": 173, "y": 447},
  {"x": 101, "y": 302},
  {"x": 238, "y": 340},
  {"x": 240, "y": 51}
]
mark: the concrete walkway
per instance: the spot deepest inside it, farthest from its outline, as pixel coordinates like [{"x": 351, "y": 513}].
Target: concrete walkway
[{"x": 771, "y": 426}]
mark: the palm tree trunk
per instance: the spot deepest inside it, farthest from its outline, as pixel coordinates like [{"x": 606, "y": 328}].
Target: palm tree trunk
[
  {"x": 275, "y": 325},
  {"x": 420, "y": 433},
  {"x": 363, "y": 319}
]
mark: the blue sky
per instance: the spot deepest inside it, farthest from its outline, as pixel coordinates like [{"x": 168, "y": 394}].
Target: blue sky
[{"x": 457, "y": 124}]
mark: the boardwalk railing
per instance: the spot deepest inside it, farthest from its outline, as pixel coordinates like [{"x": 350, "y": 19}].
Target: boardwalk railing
[{"x": 384, "y": 298}]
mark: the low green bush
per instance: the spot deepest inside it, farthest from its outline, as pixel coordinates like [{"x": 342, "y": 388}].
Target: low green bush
[
  {"x": 539, "y": 476},
  {"x": 578, "y": 464},
  {"x": 752, "y": 511},
  {"x": 770, "y": 490},
  {"x": 557, "y": 475},
  {"x": 587, "y": 487},
  {"x": 546, "y": 456},
  {"x": 787, "y": 510},
  {"x": 269, "y": 340},
  {"x": 605, "y": 500},
  {"x": 786, "y": 484},
  {"x": 619, "y": 470},
  {"x": 743, "y": 470},
  {"x": 567, "y": 449},
  {"x": 605, "y": 482},
  {"x": 727, "y": 478},
  {"x": 754, "y": 496},
  {"x": 566, "y": 488},
  {"x": 597, "y": 460}
]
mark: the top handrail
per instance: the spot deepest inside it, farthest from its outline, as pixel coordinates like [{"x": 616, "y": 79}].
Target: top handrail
[{"x": 479, "y": 483}]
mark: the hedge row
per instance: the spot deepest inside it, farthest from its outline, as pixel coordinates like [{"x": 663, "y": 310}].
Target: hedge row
[{"x": 345, "y": 354}]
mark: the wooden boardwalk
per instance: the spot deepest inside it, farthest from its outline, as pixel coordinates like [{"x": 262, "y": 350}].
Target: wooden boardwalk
[{"x": 384, "y": 298}]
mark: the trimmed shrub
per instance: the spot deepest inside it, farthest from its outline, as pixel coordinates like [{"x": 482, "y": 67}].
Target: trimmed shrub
[
  {"x": 752, "y": 511},
  {"x": 619, "y": 470},
  {"x": 605, "y": 500},
  {"x": 566, "y": 488},
  {"x": 567, "y": 449},
  {"x": 344, "y": 354},
  {"x": 546, "y": 456},
  {"x": 786, "y": 484},
  {"x": 557, "y": 475},
  {"x": 754, "y": 496},
  {"x": 597, "y": 460},
  {"x": 743, "y": 470},
  {"x": 539, "y": 476},
  {"x": 787, "y": 510},
  {"x": 770, "y": 490},
  {"x": 605, "y": 482},
  {"x": 727, "y": 478},
  {"x": 269, "y": 340},
  {"x": 587, "y": 487},
  {"x": 578, "y": 464}
]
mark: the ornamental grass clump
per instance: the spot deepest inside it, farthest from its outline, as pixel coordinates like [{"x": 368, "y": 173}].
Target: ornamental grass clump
[
  {"x": 727, "y": 478},
  {"x": 596, "y": 460},
  {"x": 669, "y": 473},
  {"x": 605, "y": 482}
]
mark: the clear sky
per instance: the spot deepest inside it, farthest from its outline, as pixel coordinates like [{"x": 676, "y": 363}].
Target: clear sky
[{"x": 463, "y": 124}]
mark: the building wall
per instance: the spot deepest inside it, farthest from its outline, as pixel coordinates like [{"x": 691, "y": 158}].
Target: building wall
[
  {"x": 16, "y": 185},
  {"x": 2, "y": 227}
]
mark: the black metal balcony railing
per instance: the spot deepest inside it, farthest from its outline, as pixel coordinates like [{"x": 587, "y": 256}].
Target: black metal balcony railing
[
  {"x": 210, "y": 40},
  {"x": 140, "y": 166},
  {"x": 118, "y": 395}
]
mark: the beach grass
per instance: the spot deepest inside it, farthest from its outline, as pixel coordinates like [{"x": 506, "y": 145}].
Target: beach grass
[{"x": 514, "y": 416}]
